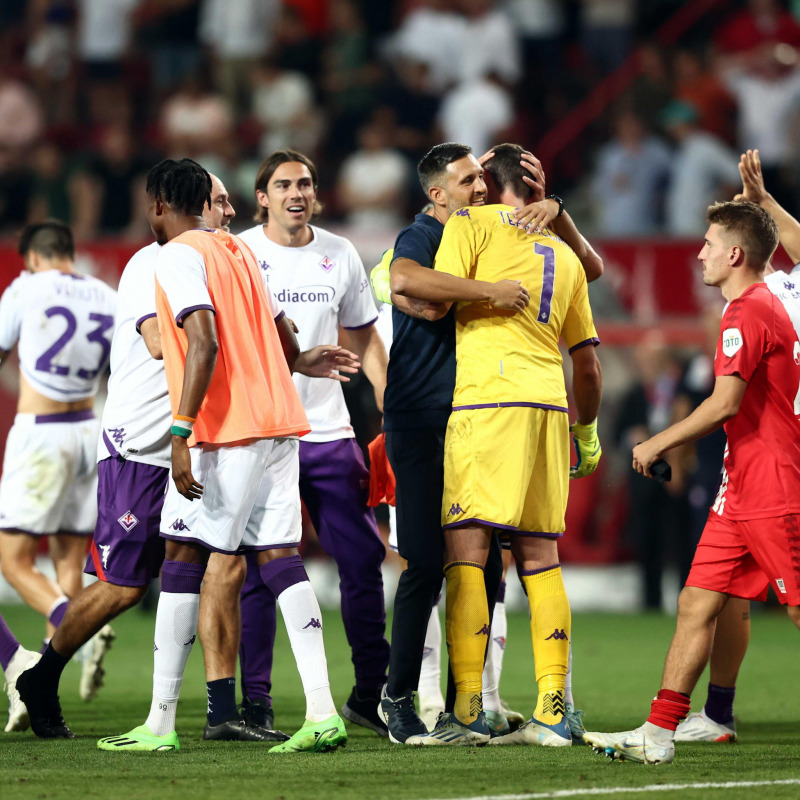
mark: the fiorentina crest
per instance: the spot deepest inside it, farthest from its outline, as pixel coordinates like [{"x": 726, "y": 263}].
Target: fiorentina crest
[{"x": 327, "y": 264}]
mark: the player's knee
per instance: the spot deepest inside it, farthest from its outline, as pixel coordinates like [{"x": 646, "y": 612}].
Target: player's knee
[
  {"x": 699, "y": 606},
  {"x": 121, "y": 598}
]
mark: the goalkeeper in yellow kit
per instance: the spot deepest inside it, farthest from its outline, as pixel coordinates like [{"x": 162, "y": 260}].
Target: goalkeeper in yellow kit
[{"x": 507, "y": 457}]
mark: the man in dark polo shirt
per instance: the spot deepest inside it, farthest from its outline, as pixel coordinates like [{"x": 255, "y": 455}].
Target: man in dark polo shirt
[{"x": 418, "y": 401}]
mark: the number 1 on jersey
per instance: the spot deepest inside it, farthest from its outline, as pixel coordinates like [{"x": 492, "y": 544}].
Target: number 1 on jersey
[{"x": 548, "y": 281}]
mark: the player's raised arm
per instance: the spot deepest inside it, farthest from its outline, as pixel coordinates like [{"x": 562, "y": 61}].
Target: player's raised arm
[{"x": 754, "y": 190}]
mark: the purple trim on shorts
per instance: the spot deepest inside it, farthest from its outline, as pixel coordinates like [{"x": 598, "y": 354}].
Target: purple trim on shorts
[
  {"x": 594, "y": 341},
  {"x": 280, "y": 316},
  {"x": 57, "y": 614},
  {"x": 8, "y": 644},
  {"x": 43, "y": 533},
  {"x": 202, "y": 544},
  {"x": 361, "y": 327},
  {"x": 281, "y": 573},
  {"x": 463, "y": 522},
  {"x": 501, "y": 592},
  {"x": 109, "y": 446},
  {"x": 143, "y": 319},
  {"x": 261, "y": 547},
  {"x": 186, "y": 311},
  {"x": 66, "y": 416},
  {"x": 512, "y": 405},
  {"x": 181, "y": 577},
  {"x": 529, "y": 572},
  {"x": 540, "y": 534}
]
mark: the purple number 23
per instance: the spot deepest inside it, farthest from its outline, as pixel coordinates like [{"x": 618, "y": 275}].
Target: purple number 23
[{"x": 104, "y": 323}]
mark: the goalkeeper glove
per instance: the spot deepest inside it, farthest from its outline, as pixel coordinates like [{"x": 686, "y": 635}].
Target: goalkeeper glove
[
  {"x": 587, "y": 447},
  {"x": 379, "y": 277}
]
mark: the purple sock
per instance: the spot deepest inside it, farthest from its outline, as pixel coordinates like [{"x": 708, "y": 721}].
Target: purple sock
[
  {"x": 259, "y": 622},
  {"x": 180, "y": 577},
  {"x": 281, "y": 573},
  {"x": 57, "y": 612},
  {"x": 501, "y": 592},
  {"x": 719, "y": 704},
  {"x": 8, "y": 644}
]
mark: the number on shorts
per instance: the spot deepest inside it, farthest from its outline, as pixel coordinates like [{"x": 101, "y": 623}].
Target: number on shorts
[
  {"x": 548, "y": 281},
  {"x": 97, "y": 335}
]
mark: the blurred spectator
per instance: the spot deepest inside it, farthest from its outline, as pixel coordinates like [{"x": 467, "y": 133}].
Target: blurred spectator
[
  {"x": 21, "y": 118},
  {"x": 283, "y": 102},
  {"x": 297, "y": 49},
  {"x": 541, "y": 24},
  {"x": 607, "y": 31},
  {"x": 658, "y": 513},
  {"x": 703, "y": 170},
  {"x": 476, "y": 113},
  {"x": 414, "y": 105},
  {"x": 104, "y": 36},
  {"x": 697, "y": 85},
  {"x": 195, "y": 120},
  {"x": 167, "y": 31},
  {"x": 762, "y": 22},
  {"x": 239, "y": 35},
  {"x": 349, "y": 75},
  {"x": 768, "y": 97},
  {"x": 490, "y": 44},
  {"x": 651, "y": 91},
  {"x": 53, "y": 186},
  {"x": 373, "y": 181},
  {"x": 432, "y": 34},
  {"x": 109, "y": 198},
  {"x": 49, "y": 57},
  {"x": 629, "y": 179}
]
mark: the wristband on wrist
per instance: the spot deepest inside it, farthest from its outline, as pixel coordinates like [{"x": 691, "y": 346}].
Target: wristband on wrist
[
  {"x": 559, "y": 201},
  {"x": 182, "y": 426}
]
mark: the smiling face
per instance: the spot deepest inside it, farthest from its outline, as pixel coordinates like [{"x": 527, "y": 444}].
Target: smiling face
[
  {"x": 221, "y": 212},
  {"x": 290, "y": 197},
  {"x": 718, "y": 256},
  {"x": 463, "y": 184}
]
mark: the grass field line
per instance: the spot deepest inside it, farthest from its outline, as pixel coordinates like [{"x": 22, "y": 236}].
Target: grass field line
[{"x": 654, "y": 787}]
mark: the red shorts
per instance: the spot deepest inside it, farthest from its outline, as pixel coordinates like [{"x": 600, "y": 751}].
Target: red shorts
[{"x": 742, "y": 557}]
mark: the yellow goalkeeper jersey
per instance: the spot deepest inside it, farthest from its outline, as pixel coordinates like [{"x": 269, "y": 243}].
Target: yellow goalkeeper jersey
[{"x": 514, "y": 359}]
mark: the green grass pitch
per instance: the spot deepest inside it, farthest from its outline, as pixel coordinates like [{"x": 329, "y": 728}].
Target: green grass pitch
[{"x": 618, "y": 662}]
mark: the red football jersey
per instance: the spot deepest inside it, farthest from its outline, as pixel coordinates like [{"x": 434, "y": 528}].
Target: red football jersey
[{"x": 761, "y": 471}]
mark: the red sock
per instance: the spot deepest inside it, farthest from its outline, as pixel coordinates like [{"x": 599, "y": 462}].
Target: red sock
[{"x": 668, "y": 709}]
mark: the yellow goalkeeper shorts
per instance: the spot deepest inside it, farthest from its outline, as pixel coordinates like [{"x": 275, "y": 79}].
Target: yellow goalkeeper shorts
[{"x": 509, "y": 468}]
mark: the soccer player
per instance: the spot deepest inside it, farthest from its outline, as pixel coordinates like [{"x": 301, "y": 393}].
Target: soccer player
[
  {"x": 716, "y": 723},
  {"x": 509, "y": 377},
  {"x": 63, "y": 322},
  {"x": 750, "y": 539},
  {"x": 421, "y": 379},
  {"x": 320, "y": 281},
  {"x": 14, "y": 659},
  {"x": 234, "y": 458}
]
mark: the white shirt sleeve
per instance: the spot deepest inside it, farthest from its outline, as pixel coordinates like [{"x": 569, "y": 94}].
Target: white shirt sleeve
[
  {"x": 11, "y": 315},
  {"x": 275, "y": 307},
  {"x": 181, "y": 273},
  {"x": 357, "y": 309}
]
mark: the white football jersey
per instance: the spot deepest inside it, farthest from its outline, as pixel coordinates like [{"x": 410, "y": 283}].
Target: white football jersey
[
  {"x": 63, "y": 323},
  {"x": 137, "y": 414},
  {"x": 787, "y": 289},
  {"x": 320, "y": 286}
]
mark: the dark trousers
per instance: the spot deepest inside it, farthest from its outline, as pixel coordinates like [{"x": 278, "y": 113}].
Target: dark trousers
[{"x": 417, "y": 458}]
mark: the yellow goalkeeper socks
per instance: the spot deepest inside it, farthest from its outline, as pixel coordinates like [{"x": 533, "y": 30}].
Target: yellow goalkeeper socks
[
  {"x": 550, "y": 631},
  {"x": 467, "y": 617}
]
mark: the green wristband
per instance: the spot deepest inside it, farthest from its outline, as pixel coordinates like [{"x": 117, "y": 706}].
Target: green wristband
[{"x": 183, "y": 432}]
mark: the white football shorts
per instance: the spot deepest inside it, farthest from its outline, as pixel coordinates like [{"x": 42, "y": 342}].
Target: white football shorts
[
  {"x": 49, "y": 482},
  {"x": 251, "y": 498}
]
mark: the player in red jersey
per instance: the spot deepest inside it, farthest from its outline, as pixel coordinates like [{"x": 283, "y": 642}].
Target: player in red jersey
[{"x": 752, "y": 537}]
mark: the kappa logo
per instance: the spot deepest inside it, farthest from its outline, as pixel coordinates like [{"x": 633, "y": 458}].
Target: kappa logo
[
  {"x": 557, "y": 635},
  {"x": 128, "y": 521},
  {"x": 106, "y": 549},
  {"x": 118, "y": 435},
  {"x": 313, "y": 623},
  {"x": 788, "y": 285},
  {"x": 180, "y": 525},
  {"x": 264, "y": 266},
  {"x": 455, "y": 509},
  {"x": 190, "y": 642},
  {"x": 327, "y": 264},
  {"x": 484, "y": 631}
]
